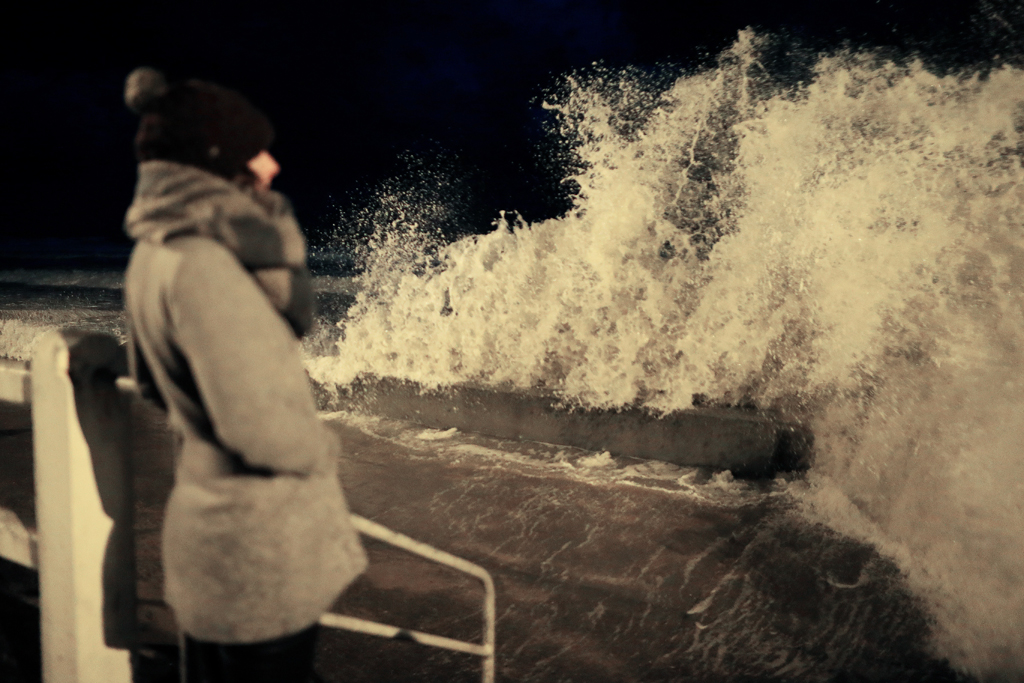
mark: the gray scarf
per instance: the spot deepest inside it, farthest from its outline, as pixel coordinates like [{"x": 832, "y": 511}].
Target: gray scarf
[{"x": 173, "y": 200}]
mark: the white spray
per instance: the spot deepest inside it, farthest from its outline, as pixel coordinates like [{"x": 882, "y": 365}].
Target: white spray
[{"x": 849, "y": 252}]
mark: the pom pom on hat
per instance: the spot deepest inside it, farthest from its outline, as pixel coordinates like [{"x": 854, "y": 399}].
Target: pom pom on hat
[{"x": 143, "y": 87}]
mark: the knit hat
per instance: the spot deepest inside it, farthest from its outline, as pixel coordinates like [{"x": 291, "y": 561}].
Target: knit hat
[{"x": 195, "y": 122}]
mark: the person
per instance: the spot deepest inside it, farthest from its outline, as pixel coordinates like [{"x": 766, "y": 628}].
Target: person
[{"x": 257, "y": 541}]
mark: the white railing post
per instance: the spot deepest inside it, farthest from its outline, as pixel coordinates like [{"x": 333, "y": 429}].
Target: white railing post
[{"x": 75, "y": 516}]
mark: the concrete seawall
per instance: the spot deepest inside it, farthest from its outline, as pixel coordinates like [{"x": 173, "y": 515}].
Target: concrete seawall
[{"x": 745, "y": 442}]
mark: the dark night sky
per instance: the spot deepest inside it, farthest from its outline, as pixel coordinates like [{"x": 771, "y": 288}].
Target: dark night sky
[{"x": 351, "y": 88}]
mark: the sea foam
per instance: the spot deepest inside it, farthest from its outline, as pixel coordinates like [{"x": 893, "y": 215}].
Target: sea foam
[{"x": 846, "y": 250}]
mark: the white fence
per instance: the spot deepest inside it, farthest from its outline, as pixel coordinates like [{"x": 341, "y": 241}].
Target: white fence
[{"x": 83, "y": 546}]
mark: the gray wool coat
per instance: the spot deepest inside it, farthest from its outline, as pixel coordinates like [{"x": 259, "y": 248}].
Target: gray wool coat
[{"x": 257, "y": 540}]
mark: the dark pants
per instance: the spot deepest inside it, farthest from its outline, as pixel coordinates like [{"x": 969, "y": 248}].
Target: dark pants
[{"x": 282, "y": 660}]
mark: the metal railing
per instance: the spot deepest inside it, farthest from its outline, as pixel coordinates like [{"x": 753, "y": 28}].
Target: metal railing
[
  {"x": 83, "y": 547},
  {"x": 484, "y": 650}
]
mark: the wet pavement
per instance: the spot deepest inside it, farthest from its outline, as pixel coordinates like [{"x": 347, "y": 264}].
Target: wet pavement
[{"x": 607, "y": 569}]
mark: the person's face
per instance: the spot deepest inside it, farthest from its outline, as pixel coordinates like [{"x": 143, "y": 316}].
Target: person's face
[{"x": 264, "y": 167}]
